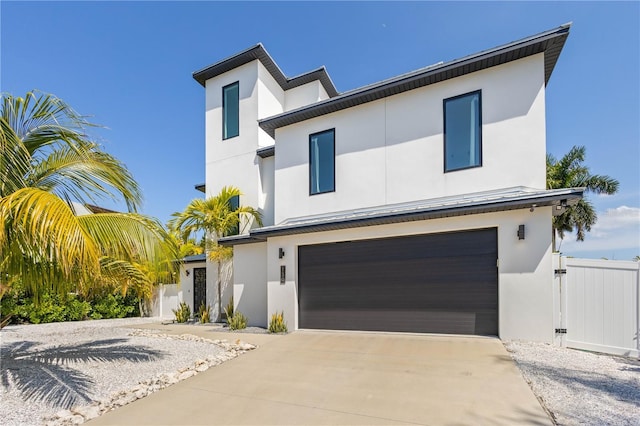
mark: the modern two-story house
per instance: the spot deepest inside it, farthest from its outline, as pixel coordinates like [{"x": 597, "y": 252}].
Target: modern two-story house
[{"x": 415, "y": 204}]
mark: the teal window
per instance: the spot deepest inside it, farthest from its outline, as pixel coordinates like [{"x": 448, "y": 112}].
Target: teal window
[
  {"x": 462, "y": 132},
  {"x": 322, "y": 162},
  {"x": 231, "y": 110}
]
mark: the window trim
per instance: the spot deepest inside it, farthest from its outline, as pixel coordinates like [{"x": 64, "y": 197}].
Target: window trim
[
  {"x": 333, "y": 131},
  {"x": 444, "y": 130},
  {"x": 237, "y": 83}
]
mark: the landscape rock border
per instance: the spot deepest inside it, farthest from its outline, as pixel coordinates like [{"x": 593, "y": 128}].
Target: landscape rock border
[{"x": 80, "y": 414}]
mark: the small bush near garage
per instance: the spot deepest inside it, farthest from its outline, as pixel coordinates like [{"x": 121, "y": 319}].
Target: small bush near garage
[
  {"x": 183, "y": 313},
  {"x": 237, "y": 322},
  {"x": 277, "y": 323}
]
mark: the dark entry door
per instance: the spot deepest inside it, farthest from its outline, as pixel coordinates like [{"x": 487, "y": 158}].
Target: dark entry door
[
  {"x": 434, "y": 283},
  {"x": 199, "y": 288}
]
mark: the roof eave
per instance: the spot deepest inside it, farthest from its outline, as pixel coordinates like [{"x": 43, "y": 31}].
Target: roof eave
[
  {"x": 258, "y": 52},
  {"x": 549, "y": 42},
  {"x": 567, "y": 198}
]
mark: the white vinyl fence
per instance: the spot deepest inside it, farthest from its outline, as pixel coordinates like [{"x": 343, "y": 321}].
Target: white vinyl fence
[
  {"x": 166, "y": 297},
  {"x": 599, "y": 305}
]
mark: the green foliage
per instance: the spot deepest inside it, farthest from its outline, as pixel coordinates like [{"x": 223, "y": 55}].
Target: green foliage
[
  {"x": 228, "y": 310},
  {"x": 237, "y": 322},
  {"x": 48, "y": 161},
  {"x": 113, "y": 306},
  {"x": 21, "y": 307},
  {"x": 570, "y": 172},
  {"x": 183, "y": 313},
  {"x": 277, "y": 323},
  {"x": 204, "y": 314}
]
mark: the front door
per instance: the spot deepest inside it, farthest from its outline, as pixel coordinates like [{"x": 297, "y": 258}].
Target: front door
[{"x": 199, "y": 288}]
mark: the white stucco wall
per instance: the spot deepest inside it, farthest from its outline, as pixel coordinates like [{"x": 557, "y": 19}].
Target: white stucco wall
[
  {"x": 525, "y": 289},
  {"x": 304, "y": 95},
  {"x": 250, "y": 285},
  {"x": 267, "y": 190},
  {"x": 271, "y": 101},
  {"x": 392, "y": 150}
]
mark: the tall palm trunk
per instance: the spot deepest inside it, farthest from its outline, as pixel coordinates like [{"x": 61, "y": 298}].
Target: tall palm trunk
[{"x": 219, "y": 279}]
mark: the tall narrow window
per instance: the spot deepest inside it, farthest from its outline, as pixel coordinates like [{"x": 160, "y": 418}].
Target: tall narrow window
[
  {"x": 322, "y": 162},
  {"x": 231, "y": 110},
  {"x": 462, "y": 132}
]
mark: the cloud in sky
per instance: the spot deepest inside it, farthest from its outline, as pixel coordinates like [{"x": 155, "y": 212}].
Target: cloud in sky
[{"x": 617, "y": 230}]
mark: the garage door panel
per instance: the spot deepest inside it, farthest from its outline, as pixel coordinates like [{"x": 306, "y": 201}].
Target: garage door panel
[
  {"x": 415, "y": 283},
  {"x": 419, "y": 321}
]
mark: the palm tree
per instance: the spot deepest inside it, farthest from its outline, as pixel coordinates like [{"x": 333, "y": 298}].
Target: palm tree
[
  {"x": 47, "y": 161},
  {"x": 569, "y": 172},
  {"x": 218, "y": 218}
]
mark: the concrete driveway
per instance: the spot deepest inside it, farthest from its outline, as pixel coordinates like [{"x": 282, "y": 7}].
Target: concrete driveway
[{"x": 348, "y": 378}]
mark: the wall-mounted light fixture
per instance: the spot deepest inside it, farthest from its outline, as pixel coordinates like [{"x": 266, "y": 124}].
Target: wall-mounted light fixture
[
  {"x": 521, "y": 232},
  {"x": 280, "y": 253},
  {"x": 187, "y": 272},
  {"x": 533, "y": 207},
  {"x": 563, "y": 205}
]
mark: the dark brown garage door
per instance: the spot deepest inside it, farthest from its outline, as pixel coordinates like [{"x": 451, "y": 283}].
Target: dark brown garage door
[{"x": 435, "y": 283}]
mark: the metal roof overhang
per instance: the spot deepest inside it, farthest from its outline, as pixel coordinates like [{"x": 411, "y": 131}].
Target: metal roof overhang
[
  {"x": 550, "y": 42},
  {"x": 555, "y": 198},
  {"x": 266, "y": 152},
  {"x": 258, "y": 52}
]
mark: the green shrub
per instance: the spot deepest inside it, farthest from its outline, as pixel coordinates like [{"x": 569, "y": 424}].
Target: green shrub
[
  {"x": 21, "y": 307},
  {"x": 49, "y": 309},
  {"x": 237, "y": 321},
  {"x": 277, "y": 323},
  {"x": 183, "y": 313},
  {"x": 204, "y": 314},
  {"x": 111, "y": 306},
  {"x": 228, "y": 310},
  {"x": 76, "y": 309}
]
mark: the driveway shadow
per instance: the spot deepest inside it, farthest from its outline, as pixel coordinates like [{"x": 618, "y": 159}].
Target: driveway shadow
[{"x": 47, "y": 374}]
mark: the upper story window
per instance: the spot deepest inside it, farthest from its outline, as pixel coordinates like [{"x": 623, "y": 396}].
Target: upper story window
[
  {"x": 463, "y": 132},
  {"x": 231, "y": 110},
  {"x": 322, "y": 162}
]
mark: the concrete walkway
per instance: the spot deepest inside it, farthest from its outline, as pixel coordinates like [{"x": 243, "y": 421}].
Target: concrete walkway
[{"x": 346, "y": 378}]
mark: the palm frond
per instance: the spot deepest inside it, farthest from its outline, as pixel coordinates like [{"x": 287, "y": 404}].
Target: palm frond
[{"x": 41, "y": 236}]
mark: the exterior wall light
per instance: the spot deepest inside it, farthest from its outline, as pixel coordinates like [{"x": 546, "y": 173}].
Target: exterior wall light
[
  {"x": 187, "y": 272},
  {"x": 280, "y": 253},
  {"x": 521, "y": 232}
]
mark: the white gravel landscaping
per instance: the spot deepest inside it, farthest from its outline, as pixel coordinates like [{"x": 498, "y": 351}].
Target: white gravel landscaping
[
  {"x": 79, "y": 370},
  {"x": 578, "y": 387}
]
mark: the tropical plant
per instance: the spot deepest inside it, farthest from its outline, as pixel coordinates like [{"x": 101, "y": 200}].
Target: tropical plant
[
  {"x": 183, "y": 313},
  {"x": 47, "y": 160},
  {"x": 228, "y": 309},
  {"x": 237, "y": 322},
  {"x": 277, "y": 323},
  {"x": 570, "y": 172},
  {"x": 204, "y": 314},
  {"x": 217, "y": 217}
]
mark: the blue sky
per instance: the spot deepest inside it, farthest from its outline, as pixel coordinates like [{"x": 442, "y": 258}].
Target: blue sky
[{"x": 129, "y": 65}]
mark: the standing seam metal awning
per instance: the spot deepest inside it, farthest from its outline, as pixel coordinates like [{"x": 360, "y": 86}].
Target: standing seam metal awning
[{"x": 488, "y": 202}]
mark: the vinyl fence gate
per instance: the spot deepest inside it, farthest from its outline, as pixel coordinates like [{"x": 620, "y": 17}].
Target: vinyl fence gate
[{"x": 598, "y": 303}]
